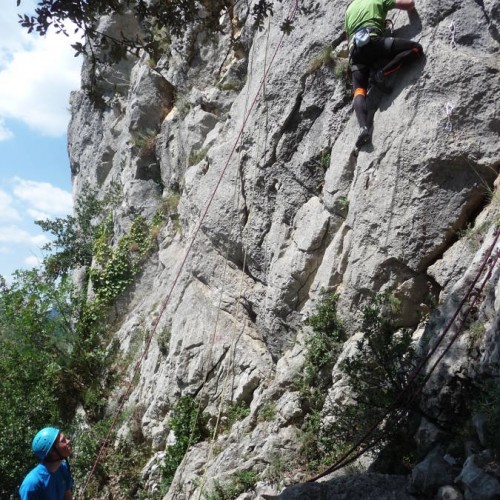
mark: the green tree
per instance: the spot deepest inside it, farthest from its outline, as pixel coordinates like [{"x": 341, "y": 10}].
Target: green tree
[
  {"x": 156, "y": 19},
  {"x": 189, "y": 427},
  {"x": 378, "y": 375},
  {"x": 33, "y": 341},
  {"x": 73, "y": 235}
]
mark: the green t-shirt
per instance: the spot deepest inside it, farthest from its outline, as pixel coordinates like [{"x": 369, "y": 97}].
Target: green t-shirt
[{"x": 367, "y": 13}]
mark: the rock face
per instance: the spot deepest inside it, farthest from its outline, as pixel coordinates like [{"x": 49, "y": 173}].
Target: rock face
[{"x": 275, "y": 204}]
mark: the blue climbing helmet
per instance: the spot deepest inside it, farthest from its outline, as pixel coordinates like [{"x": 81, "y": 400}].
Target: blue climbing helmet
[{"x": 43, "y": 441}]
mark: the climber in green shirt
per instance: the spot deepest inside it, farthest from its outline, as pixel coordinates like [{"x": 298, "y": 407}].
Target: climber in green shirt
[{"x": 368, "y": 46}]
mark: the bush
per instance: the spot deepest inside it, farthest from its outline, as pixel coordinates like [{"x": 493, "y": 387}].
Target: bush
[
  {"x": 239, "y": 482},
  {"x": 189, "y": 427},
  {"x": 324, "y": 345},
  {"x": 489, "y": 405},
  {"x": 378, "y": 376}
]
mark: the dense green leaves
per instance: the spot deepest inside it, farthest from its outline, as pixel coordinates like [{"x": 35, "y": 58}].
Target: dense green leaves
[
  {"x": 156, "y": 20},
  {"x": 73, "y": 235},
  {"x": 378, "y": 375},
  {"x": 34, "y": 338},
  {"x": 189, "y": 427},
  {"x": 323, "y": 346}
]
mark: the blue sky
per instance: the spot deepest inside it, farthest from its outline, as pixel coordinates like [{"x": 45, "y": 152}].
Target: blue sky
[{"x": 36, "y": 78}]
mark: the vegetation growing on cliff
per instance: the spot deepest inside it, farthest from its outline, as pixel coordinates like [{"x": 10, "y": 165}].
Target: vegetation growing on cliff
[
  {"x": 55, "y": 347},
  {"x": 376, "y": 374}
]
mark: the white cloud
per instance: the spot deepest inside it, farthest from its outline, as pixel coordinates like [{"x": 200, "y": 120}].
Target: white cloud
[
  {"x": 43, "y": 197},
  {"x": 37, "y": 215},
  {"x": 7, "y": 212},
  {"x": 15, "y": 235},
  {"x": 36, "y": 76},
  {"x": 33, "y": 261},
  {"x": 5, "y": 133},
  {"x": 39, "y": 240}
]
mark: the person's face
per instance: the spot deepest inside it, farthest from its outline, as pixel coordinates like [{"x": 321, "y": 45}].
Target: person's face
[{"x": 63, "y": 445}]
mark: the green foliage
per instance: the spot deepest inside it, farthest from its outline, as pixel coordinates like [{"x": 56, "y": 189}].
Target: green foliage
[
  {"x": 189, "y": 427},
  {"x": 197, "y": 156},
  {"x": 49, "y": 362},
  {"x": 27, "y": 403},
  {"x": 234, "y": 412},
  {"x": 268, "y": 412},
  {"x": 323, "y": 346},
  {"x": 342, "y": 70},
  {"x": 237, "y": 484},
  {"x": 73, "y": 235},
  {"x": 163, "y": 339},
  {"x": 489, "y": 405},
  {"x": 158, "y": 21},
  {"x": 343, "y": 203},
  {"x": 87, "y": 442},
  {"x": 378, "y": 375},
  {"x": 324, "y": 58},
  {"x": 146, "y": 143},
  {"x": 117, "y": 266},
  {"x": 277, "y": 468}
]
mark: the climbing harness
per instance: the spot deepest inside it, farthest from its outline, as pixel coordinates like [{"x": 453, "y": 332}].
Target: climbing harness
[{"x": 452, "y": 30}]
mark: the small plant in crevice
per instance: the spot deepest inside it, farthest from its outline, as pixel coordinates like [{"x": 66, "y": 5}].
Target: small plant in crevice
[
  {"x": 323, "y": 58},
  {"x": 323, "y": 162},
  {"x": 342, "y": 71},
  {"x": 234, "y": 412},
  {"x": 488, "y": 404},
  {"x": 268, "y": 412},
  {"x": 474, "y": 234},
  {"x": 343, "y": 203},
  {"x": 234, "y": 86},
  {"x": 277, "y": 469},
  {"x": 239, "y": 482},
  {"x": 146, "y": 143},
  {"x": 197, "y": 155},
  {"x": 163, "y": 339}
]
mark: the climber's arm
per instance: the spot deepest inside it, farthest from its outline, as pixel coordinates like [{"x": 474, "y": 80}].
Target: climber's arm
[{"x": 405, "y": 4}]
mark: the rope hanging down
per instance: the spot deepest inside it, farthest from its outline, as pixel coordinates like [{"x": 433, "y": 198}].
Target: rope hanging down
[
  {"x": 250, "y": 205},
  {"x": 165, "y": 303},
  {"x": 352, "y": 454}
]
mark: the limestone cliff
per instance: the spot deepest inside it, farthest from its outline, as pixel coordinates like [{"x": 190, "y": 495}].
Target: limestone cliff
[{"x": 256, "y": 141}]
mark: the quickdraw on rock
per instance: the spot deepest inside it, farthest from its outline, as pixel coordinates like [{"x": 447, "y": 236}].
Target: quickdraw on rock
[
  {"x": 451, "y": 27},
  {"x": 449, "y": 110}
]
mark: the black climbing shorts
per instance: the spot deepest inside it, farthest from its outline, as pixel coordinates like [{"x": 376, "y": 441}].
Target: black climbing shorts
[{"x": 375, "y": 55}]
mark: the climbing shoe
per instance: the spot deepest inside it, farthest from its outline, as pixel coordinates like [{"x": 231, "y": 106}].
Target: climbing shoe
[{"x": 363, "y": 137}]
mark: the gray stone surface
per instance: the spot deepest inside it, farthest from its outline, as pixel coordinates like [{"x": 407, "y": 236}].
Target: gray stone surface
[{"x": 290, "y": 208}]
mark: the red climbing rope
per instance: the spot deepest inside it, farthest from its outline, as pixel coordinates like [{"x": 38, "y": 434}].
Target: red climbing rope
[{"x": 155, "y": 323}]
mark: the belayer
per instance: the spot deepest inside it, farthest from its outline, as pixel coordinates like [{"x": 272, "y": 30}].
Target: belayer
[
  {"x": 51, "y": 478},
  {"x": 368, "y": 46}
]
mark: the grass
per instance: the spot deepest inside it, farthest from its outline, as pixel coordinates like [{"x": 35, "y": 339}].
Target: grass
[{"x": 323, "y": 58}]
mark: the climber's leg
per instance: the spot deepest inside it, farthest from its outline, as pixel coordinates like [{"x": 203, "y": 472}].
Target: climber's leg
[
  {"x": 400, "y": 52},
  {"x": 360, "y": 74}
]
